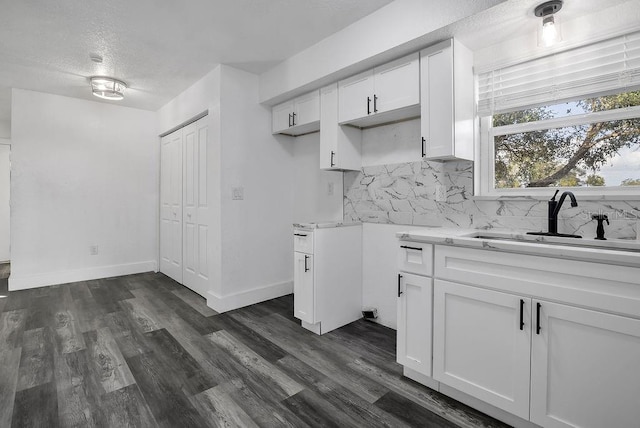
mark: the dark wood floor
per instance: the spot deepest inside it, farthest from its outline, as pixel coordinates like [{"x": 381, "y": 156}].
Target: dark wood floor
[{"x": 142, "y": 351}]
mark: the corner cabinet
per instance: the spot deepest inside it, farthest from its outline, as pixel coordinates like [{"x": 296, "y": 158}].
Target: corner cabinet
[
  {"x": 447, "y": 108},
  {"x": 387, "y": 93},
  {"x": 340, "y": 146},
  {"x": 298, "y": 116},
  {"x": 548, "y": 340}
]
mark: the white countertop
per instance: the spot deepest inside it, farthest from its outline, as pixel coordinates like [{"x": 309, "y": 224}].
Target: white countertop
[
  {"x": 616, "y": 251},
  {"x": 324, "y": 225}
]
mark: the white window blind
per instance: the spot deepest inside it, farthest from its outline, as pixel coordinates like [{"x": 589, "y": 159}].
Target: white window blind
[{"x": 594, "y": 69}]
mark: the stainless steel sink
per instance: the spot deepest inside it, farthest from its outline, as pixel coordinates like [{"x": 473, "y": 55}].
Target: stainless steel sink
[{"x": 568, "y": 240}]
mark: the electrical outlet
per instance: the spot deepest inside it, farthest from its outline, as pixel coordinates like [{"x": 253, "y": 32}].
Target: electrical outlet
[
  {"x": 237, "y": 193},
  {"x": 330, "y": 187},
  {"x": 441, "y": 193},
  {"x": 93, "y": 250}
]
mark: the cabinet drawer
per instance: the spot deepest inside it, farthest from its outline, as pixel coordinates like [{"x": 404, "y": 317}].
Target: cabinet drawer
[
  {"x": 303, "y": 241},
  {"x": 415, "y": 257}
]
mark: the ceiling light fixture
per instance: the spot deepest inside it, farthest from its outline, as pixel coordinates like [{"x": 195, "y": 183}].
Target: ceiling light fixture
[
  {"x": 550, "y": 32},
  {"x": 108, "y": 88}
]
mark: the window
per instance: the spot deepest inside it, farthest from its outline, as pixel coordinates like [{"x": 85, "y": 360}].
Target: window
[
  {"x": 568, "y": 120},
  {"x": 591, "y": 142}
]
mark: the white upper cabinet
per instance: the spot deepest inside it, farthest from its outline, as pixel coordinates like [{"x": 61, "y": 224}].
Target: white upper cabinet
[
  {"x": 339, "y": 145},
  {"x": 447, "y": 108},
  {"x": 385, "y": 94},
  {"x": 298, "y": 116}
]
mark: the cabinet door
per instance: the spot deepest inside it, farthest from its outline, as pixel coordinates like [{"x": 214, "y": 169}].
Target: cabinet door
[
  {"x": 328, "y": 126},
  {"x": 397, "y": 84},
  {"x": 303, "y": 289},
  {"x": 355, "y": 97},
  {"x": 480, "y": 346},
  {"x": 171, "y": 205},
  {"x": 281, "y": 117},
  {"x": 306, "y": 109},
  {"x": 584, "y": 368},
  {"x": 437, "y": 114},
  {"x": 196, "y": 207},
  {"x": 414, "y": 322},
  {"x": 340, "y": 146}
]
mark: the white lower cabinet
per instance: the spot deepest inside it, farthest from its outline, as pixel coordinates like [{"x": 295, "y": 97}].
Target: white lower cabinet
[
  {"x": 585, "y": 368},
  {"x": 508, "y": 331},
  {"x": 303, "y": 290},
  {"x": 327, "y": 276},
  {"x": 414, "y": 322},
  {"x": 480, "y": 345}
]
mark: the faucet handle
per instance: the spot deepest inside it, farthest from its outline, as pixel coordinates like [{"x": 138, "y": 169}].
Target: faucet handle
[{"x": 553, "y": 198}]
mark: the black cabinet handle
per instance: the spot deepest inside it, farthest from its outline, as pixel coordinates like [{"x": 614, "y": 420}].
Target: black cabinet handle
[
  {"x": 290, "y": 120},
  {"x": 368, "y": 105},
  {"x": 332, "y": 155},
  {"x": 299, "y": 234},
  {"x": 521, "y": 314},
  {"x": 293, "y": 116},
  {"x": 306, "y": 268},
  {"x": 538, "y": 306},
  {"x": 411, "y": 248},
  {"x": 423, "y": 144},
  {"x": 375, "y": 103},
  {"x": 399, "y": 281}
]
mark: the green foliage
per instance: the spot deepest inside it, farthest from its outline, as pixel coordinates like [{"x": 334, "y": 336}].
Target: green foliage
[
  {"x": 562, "y": 156},
  {"x": 631, "y": 182}
]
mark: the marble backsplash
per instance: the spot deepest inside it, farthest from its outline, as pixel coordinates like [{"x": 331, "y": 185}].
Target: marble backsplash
[{"x": 405, "y": 193}]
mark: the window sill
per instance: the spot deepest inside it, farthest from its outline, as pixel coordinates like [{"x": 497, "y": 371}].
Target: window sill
[{"x": 581, "y": 196}]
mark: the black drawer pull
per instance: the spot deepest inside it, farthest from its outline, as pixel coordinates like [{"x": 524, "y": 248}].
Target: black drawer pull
[
  {"x": 521, "y": 314},
  {"x": 368, "y": 105},
  {"x": 423, "y": 151},
  {"x": 299, "y": 234},
  {"x": 411, "y": 248},
  {"x": 538, "y": 306},
  {"x": 306, "y": 268},
  {"x": 399, "y": 281}
]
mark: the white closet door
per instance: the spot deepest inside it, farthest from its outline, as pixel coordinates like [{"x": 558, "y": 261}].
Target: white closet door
[
  {"x": 171, "y": 205},
  {"x": 196, "y": 225}
]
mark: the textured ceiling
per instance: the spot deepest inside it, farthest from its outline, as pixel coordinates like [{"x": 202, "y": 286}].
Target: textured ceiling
[{"x": 158, "y": 47}]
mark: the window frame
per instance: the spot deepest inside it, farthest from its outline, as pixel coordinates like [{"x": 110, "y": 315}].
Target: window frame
[{"x": 485, "y": 153}]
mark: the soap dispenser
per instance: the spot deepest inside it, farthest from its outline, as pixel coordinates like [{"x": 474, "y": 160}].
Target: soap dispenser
[{"x": 601, "y": 218}]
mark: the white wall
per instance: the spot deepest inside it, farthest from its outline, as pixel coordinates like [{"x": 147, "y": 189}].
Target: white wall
[
  {"x": 83, "y": 173},
  {"x": 380, "y": 270},
  {"x": 400, "y": 27},
  {"x": 257, "y": 240},
  {"x": 5, "y": 174},
  {"x": 311, "y": 199},
  {"x": 5, "y": 129}
]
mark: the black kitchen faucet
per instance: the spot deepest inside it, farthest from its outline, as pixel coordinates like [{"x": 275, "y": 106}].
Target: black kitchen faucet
[{"x": 554, "y": 208}]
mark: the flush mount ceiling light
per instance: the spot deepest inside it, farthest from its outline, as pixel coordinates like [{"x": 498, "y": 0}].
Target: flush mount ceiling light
[
  {"x": 108, "y": 88},
  {"x": 549, "y": 33}
]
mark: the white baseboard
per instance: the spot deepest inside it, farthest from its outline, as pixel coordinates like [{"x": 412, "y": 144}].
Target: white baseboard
[
  {"x": 24, "y": 282},
  {"x": 230, "y": 302}
]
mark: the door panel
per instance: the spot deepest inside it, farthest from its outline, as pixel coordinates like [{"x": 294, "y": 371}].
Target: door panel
[
  {"x": 397, "y": 84},
  {"x": 303, "y": 290},
  {"x": 414, "y": 322},
  {"x": 171, "y": 205},
  {"x": 584, "y": 368},
  {"x": 195, "y": 272},
  {"x": 479, "y": 347},
  {"x": 437, "y": 102},
  {"x": 352, "y": 97}
]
